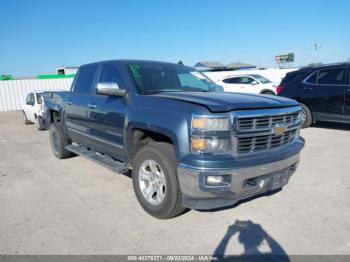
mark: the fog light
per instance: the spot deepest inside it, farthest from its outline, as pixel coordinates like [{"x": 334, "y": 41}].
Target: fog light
[{"x": 215, "y": 180}]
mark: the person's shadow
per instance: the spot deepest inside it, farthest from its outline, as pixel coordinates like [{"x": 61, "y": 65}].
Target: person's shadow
[{"x": 251, "y": 236}]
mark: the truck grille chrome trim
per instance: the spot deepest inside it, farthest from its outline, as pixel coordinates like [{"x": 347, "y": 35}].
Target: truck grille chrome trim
[
  {"x": 265, "y": 142},
  {"x": 260, "y": 130},
  {"x": 256, "y": 123}
]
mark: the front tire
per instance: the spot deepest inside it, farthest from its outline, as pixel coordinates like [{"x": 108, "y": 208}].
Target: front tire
[
  {"x": 307, "y": 116},
  {"x": 155, "y": 180},
  {"x": 59, "y": 141}
]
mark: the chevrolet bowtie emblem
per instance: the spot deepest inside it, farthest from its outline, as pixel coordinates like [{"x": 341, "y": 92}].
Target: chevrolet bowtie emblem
[{"x": 279, "y": 130}]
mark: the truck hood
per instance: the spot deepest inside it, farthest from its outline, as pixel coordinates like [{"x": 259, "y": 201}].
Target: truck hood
[{"x": 225, "y": 102}]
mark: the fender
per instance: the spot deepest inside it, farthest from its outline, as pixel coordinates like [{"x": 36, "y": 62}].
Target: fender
[{"x": 131, "y": 126}]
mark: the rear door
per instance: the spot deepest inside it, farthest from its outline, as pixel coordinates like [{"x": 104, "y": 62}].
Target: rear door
[
  {"x": 76, "y": 107},
  {"x": 324, "y": 92},
  {"x": 107, "y": 114}
]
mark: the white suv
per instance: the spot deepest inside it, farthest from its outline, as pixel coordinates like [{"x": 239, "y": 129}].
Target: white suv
[
  {"x": 33, "y": 110},
  {"x": 254, "y": 84}
]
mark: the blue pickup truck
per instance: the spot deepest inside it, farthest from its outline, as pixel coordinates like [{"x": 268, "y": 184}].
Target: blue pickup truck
[{"x": 186, "y": 143}]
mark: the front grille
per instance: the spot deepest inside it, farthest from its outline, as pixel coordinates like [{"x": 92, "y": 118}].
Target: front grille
[
  {"x": 256, "y": 123},
  {"x": 264, "y": 142}
]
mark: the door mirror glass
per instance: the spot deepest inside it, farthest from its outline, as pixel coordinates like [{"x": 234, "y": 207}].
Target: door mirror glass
[
  {"x": 109, "y": 89},
  {"x": 254, "y": 83}
]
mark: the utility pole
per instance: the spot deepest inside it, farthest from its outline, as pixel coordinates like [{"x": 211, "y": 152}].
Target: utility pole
[{"x": 317, "y": 47}]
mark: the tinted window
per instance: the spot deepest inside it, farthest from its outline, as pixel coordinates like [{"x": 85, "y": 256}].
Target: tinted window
[
  {"x": 85, "y": 79},
  {"x": 246, "y": 80},
  {"x": 232, "y": 80},
  {"x": 334, "y": 76},
  {"x": 110, "y": 74},
  {"x": 312, "y": 78}
]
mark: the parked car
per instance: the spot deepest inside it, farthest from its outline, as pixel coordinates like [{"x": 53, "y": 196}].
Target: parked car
[
  {"x": 323, "y": 92},
  {"x": 33, "y": 110},
  {"x": 253, "y": 84},
  {"x": 187, "y": 145}
]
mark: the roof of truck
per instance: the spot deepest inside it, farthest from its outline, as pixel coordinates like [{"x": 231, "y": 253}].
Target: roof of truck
[{"x": 129, "y": 61}]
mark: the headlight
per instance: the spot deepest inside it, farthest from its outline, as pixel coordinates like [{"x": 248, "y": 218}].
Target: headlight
[
  {"x": 301, "y": 116},
  {"x": 209, "y": 145},
  {"x": 210, "y": 124}
]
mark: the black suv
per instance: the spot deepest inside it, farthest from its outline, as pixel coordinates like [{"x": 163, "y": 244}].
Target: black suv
[{"x": 323, "y": 92}]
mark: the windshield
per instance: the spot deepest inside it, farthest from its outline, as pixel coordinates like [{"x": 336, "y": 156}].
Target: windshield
[
  {"x": 261, "y": 79},
  {"x": 161, "y": 77}
]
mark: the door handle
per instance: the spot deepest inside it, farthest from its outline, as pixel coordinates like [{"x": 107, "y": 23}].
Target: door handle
[
  {"x": 92, "y": 106},
  {"x": 308, "y": 88}
]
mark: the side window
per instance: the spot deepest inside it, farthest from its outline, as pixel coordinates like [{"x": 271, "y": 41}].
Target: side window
[
  {"x": 232, "y": 80},
  {"x": 246, "y": 80},
  {"x": 30, "y": 99},
  {"x": 333, "y": 76},
  {"x": 110, "y": 74},
  {"x": 311, "y": 79},
  {"x": 85, "y": 79}
]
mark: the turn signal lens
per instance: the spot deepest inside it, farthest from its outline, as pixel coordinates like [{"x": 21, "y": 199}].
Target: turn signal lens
[
  {"x": 199, "y": 144},
  {"x": 279, "y": 89},
  {"x": 209, "y": 145}
]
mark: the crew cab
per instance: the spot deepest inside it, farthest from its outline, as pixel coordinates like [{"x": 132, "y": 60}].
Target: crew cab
[{"x": 186, "y": 144}]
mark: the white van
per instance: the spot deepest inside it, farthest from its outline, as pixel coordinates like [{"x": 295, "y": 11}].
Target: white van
[{"x": 33, "y": 110}]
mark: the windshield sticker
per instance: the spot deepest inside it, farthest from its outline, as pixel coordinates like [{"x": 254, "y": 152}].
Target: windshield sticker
[{"x": 135, "y": 70}]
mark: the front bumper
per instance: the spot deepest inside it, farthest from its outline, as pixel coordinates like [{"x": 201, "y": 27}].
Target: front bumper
[{"x": 245, "y": 182}]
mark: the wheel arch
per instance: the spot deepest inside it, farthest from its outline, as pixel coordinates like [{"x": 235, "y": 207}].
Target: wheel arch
[
  {"x": 138, "y": 136},
  {"x": 267, "y": 91}
]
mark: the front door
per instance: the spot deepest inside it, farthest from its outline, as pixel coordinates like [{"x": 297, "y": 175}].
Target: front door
[
  {"x": 232, "y": 84},
  {"x": 107, "y": 115},
  {"x": 246, "y": 84}
]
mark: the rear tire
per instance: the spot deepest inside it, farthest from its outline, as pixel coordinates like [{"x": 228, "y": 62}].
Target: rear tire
[
  {"x": 59, "y": 141},
  {"x": 25, "y": 119},
  {"x": 307, "y": 116},
  {"x": 163, "y": 156}
]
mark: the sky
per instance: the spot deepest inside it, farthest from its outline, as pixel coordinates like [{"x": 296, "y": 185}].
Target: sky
[{"x": 37, "y": 36}]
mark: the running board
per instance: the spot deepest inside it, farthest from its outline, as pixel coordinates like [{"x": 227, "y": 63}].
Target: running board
[{"x": 101, "y": 159}]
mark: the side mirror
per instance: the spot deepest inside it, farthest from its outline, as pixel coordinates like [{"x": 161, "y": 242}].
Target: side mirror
[
  {"x": 254, "y": 83},
  {"x": 110, "y": 89}
]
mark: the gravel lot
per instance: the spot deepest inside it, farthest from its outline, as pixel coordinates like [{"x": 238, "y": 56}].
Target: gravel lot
[{"x": 74, "y": 206}]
